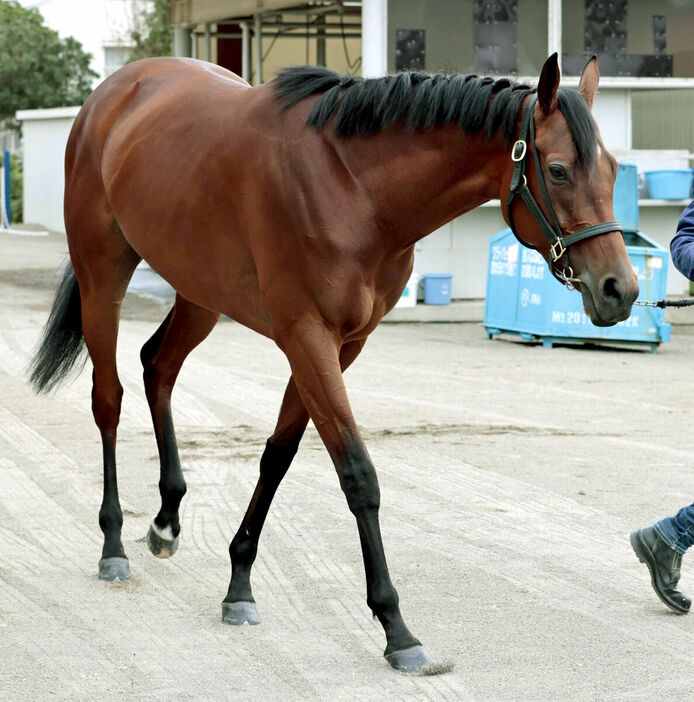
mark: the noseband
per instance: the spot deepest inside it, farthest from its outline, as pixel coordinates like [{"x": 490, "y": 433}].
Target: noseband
[{"x": 560, "y": 265}]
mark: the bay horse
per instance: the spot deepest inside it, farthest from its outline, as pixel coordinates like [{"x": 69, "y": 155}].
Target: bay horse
[{"x": 294, "y": 207}]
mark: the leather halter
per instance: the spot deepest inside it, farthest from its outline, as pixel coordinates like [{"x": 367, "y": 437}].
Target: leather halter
[{"x": 559, "y": 242}]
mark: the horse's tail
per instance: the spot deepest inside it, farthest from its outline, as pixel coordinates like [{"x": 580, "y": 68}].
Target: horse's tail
[{"x": 62, "y": 342}]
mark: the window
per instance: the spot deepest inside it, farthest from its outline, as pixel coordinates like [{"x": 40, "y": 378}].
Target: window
[
  {"x": 632, "y": 38},
  {"x": 115, "y": 57},
  {"x": 487, "y": 37}
]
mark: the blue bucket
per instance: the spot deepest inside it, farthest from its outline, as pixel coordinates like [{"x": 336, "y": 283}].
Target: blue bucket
[
  {"x": 669, "y": 185},
  {"x": 437, "y": 288}
]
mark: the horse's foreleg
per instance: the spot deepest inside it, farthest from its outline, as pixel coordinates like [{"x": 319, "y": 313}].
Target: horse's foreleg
[
  {"x": 162, "y": 357},
  {"x": 313, "y": 355}
]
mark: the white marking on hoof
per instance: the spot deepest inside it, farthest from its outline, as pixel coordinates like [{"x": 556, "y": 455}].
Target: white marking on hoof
[
  {"x": 166, "y": 533},
  {"x": 161, "y": 541}
]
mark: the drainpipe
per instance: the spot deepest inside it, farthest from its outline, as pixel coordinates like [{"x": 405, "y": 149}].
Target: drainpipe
[
  {"x": 374, "y": 38},
  {"x": 258, "y": 37},
  {"x": 554, "y": 28},
  {"x": 245, "y": 51},
  {"x": 181, "y": 42}
]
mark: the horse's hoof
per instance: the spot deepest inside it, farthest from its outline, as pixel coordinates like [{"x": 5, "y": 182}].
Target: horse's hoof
[
  {"x": 416, "y": 661},
  {"x": 238, "y": 613},
  {"x": 162, "y": 543},
  {"x": 115, "y": 569}
]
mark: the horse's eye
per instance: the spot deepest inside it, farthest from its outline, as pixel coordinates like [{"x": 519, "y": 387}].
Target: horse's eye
[{"x": 558, "y": 172}]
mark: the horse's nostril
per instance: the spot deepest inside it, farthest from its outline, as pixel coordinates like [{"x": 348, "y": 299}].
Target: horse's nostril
[{"x": 612, "y": 291}]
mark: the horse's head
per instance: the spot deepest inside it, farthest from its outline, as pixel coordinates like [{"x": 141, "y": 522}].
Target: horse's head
[{"x": 560, "y": 183}]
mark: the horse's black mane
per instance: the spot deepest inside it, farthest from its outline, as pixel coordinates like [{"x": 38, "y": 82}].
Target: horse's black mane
[{"x": 423, "y": 101}]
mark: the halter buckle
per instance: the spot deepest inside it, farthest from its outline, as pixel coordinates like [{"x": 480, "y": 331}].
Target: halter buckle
[
  {"x": 567, "y": 275},
  {"x": 521, "y": 143},
  {"x": 557, "y": 249}
]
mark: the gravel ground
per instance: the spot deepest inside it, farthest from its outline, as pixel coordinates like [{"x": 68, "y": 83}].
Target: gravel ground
[{"x": 511, "y": 476}]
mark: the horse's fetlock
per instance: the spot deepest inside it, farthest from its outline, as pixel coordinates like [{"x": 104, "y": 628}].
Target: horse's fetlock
[
  {"x": 110, "y": 519},
  {"x": 173, "y": 491},
  {"x": 242, "y": 549},
  {"x": 383, "y": 602}
]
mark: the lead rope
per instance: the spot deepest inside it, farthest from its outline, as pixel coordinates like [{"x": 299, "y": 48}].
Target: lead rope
[{"x": 665, "y": 303}]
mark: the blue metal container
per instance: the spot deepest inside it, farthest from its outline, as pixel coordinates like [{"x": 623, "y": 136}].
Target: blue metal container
[
  {"x": 626, "y": 197},
  {"x": 524, "y": 298},
  {"x": 437, "y": 288}
]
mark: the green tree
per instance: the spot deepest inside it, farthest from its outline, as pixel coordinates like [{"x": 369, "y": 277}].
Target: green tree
[
  {"x": 16, "y": 187},
  {"x": 152, "y": 33},
  {"x": 38, "y": 68}
]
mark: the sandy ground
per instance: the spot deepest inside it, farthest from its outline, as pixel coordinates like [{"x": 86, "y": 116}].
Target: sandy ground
[{"x": 511, "y": 476}]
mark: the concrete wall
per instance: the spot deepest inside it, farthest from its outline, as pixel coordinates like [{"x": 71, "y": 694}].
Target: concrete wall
[
  {"x": 663, "y": 119},
  {"x": 461, "y": 248},
  {"x": 45, "y": 134}
]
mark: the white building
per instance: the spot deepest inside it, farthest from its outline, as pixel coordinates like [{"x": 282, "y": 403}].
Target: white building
[{"x": 103, "y": 27}]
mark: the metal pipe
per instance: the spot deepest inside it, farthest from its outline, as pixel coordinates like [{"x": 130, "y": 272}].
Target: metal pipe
[
  {"x": 272, "y": 35},
  {"x": 302, "y": 25},
  {"x": 374, "y": 43},
  {"x": 258, "y": 46},
  {"x": 245, "y": 51},
  {"x": 181, "y": 41},
  {"x": 309, "y": 10},
  {"x": 333, "y": 25},
  {"x": 554, "y": 28},
  {"x": 208, "y": 43}
]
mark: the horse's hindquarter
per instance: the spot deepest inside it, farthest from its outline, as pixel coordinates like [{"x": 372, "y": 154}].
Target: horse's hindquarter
[{"x": 171, "y": 164}]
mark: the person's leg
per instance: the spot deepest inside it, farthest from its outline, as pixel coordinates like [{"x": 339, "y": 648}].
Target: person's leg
[
  {"x": 661, "y": 547},
  {"x": 678, "y": 531}
]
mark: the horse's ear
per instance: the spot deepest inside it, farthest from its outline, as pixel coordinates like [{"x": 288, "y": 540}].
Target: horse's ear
[
  {"x": 549, "y": 84},
  {"x": 588, "y": 85}
]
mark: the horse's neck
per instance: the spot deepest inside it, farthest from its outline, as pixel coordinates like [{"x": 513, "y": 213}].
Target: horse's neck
[{"x": 419, "y": 181}]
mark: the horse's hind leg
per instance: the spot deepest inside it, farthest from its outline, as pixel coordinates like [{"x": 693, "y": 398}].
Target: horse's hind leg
[
  {"x": 103, "y": 282},
  {"x": 239, "y": 606},
  {"x": 162, "y": 357}
]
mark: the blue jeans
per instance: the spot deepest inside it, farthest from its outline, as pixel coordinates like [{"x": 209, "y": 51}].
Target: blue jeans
[{"x": 678, "y": 531}]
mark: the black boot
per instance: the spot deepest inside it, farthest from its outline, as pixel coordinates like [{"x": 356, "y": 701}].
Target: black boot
[{"x": 664, "y": 564}]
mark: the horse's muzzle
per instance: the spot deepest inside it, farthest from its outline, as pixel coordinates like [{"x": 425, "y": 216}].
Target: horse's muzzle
[{"x": 610, "y": 300}]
